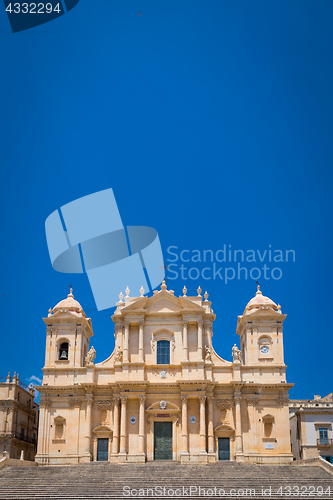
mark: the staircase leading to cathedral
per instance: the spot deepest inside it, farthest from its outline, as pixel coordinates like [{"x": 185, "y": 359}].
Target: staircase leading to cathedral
[{"x": 103, "y": 480}]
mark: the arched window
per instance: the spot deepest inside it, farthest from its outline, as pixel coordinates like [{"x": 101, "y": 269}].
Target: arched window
[
  {"x": 63, "y": 351},
  {"x": 163, "y": 352}
]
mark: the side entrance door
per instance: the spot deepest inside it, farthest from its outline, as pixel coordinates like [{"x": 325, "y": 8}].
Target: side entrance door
[
  {"x": 162, "y": 440},
  {"x": 224, "y": 448},
  {"x": 102, "y": 449}
]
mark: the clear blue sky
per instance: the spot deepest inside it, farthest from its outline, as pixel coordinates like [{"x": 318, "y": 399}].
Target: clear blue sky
[{"x": 211, "y": 121}]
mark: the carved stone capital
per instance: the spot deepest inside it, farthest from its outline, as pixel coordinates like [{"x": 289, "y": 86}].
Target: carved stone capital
[
  {"x": 253, "y": 401},
  {"x": 123, "y": 400},
  {"x": 184, "y": 399},
  {"x": 282, "y": 401},
  {"x": 45, "y": 404},
  {"x": 223, "y": 404},
  {"x": 75, "y": 403},
  {"x": 104, "y": 405},
  {"x": 202, "y": 399}
]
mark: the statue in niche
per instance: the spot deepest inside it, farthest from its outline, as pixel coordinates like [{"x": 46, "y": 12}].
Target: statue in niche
[
  {"x": 236, "y": 354},
  {"x": 119, "y": 355},
  {"x": 208, "y": 351},
  {"x": 91, "y": 355}
]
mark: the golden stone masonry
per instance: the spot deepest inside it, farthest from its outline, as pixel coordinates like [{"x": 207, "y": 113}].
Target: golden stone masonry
[{"x": 164, "y": 393}]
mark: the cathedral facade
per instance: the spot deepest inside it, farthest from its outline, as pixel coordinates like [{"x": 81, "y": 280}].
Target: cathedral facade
[{"x": 164, "y": 393}]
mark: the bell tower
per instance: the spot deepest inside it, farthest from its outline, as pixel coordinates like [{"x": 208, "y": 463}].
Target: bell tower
[
  {"x": 261, "y": 337},
  {"x": 68, "y": 335}
]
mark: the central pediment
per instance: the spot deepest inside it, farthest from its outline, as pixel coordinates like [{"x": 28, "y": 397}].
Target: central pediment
[
  {"x": 164, "y": 305},
  {"x": 163, "y": 302}
]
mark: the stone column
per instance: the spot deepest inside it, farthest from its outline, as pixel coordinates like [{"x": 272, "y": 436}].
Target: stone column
[
  {"x": 5, "y": 413},
  {"x": 123, "y": 422},
  {"x": 126, "y": 341},
  {"x": 10, "y": 420},
  {"x": 238, "y": 423},
  {"x": 142, "y": 424},
  {"x": 47, "y": 429},
  {"x": 115, "y": 442},
  {"x": 3, "y": 419},
  {"x": 141, "y": 341},
  {"x": 41, "y": 428},
  {"x": 209, "y": 334},
  {"x": 185, "y": 349},
  {"x": 184, "y": 425},
  {"x": 95, "y": 449},
  {"x": 89, "y": 402},
  {"x": 200, "y": 325},
  {"x": 118, "y": 335},
  {"x": 202, "y": 400},
  {"x": 210, "y": 424},
  {"x": 43, "y": 432}
]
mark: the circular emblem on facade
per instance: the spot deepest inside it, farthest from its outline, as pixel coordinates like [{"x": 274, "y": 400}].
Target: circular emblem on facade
[
  {"x": 193, "y": 419},
  {"x": 264, "y": 349},
  {"x": 163, "y": 405},
  {"x": 133, "y": 420}
]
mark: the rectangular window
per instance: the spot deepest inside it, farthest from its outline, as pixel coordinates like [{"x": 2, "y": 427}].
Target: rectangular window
[
  {"x": 323, "y": 435},
  {"x": 163, "y": 352}
]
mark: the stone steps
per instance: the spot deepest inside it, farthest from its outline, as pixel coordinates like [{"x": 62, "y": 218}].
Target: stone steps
[{"x": 106, "y": 481}]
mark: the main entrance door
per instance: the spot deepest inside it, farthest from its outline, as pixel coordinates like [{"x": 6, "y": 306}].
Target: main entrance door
[
  {"x": 102, "y": 449},
  {"x": 162, "y": 440},
  {"x": 224, "y": 449}
]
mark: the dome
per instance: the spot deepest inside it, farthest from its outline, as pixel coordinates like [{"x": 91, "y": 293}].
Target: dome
[
  {"x": 258, "y": 301},
  {"x": 70, "y": 304}
]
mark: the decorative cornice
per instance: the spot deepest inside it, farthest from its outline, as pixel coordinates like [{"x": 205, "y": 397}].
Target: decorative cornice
[{"x": 314, "y": 411}]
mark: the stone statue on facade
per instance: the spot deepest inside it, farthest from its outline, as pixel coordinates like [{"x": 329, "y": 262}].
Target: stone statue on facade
[
  {"x": 119, "y": 355},
  {"x": 91, "y": 355},
  {"x": 208, "y": 351},
  {"x": 236, "y": 354}
]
